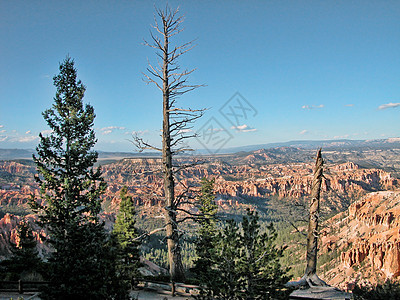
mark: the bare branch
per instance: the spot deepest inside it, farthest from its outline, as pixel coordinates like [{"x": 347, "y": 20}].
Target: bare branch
[
  {"x": 297, "y": 229},
  {"x": 186, "y": 110},
  {"x": 141, "y": 145},
  {"x": 190, "y": 213},
  {"x": 150, "y": 80},
  {"x": 147, "y": 234}
]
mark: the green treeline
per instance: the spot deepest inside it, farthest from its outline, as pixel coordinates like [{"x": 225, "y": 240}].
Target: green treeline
[{"x": 236, "y": 261}]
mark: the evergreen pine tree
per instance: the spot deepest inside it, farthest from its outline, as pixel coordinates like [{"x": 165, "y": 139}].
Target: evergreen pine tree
[
  {"x": 125, "y": 235},
  {"x": 70, "y": 192},
  {"x": 227, "y": 282},
  {"x": 246, "y": 263},
  {"x": 206, "y": 235},
  {"x": 261, "y": 275}
]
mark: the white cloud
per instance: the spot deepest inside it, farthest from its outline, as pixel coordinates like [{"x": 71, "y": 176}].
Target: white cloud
[
  {"x": 17, "y": 138},
  {"x": 303, "y": 132},
  {"x": 1, "y": 126},
  {"x": 243, "y": 128},
  {"x": 249, "y": 130},
  {"x": 139, "y": 132},
  {"x": 110, "y": 129},
  {"x": 349, "y": 105},
  {"x": 46, "y": 132},
  {"x": 240, "y": 127},
  {"x": 185, "y": 130},
  {"x": 312, "y": 106},
  {"x": 341, "y": 136},
  {"x": 25, "y": 139},
  {"x": 388, "y": 105},
  {"x": 113, "y": 128}
]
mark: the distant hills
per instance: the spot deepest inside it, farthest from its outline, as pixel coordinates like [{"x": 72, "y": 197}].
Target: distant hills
[
  {"x": 390, "y": 143},
  {"x": 11, "y": 154},
  {"x": 325, "y": 144}
]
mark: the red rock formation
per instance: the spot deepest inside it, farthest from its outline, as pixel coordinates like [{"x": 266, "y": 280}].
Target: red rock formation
[
  {"x": 368, "y": 234},
  {"x": 144, "y": 181},
  {"x": 234, "y": 185},
  {"x": 8, "y": 234}
]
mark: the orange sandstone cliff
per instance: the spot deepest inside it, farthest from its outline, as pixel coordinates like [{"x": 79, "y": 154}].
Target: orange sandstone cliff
[{"x": 366, "y": 239}]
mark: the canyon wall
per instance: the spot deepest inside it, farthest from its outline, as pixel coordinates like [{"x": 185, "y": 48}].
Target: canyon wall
[
  {"x": 366, "y": 238},
  {"x": 235, "y": 186}
]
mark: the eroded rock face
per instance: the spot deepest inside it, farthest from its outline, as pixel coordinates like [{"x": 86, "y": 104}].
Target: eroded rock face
[
  {"x": 8, "y": 234},
  {"x": 144, "y": 181},
  {"x": 235, "y": 184},
  {"x": 368, "y": 236}
]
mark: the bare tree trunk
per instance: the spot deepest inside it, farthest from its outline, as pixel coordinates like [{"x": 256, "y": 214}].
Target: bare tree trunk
[
  {"x": 174, "y": 252},
  {"x": 176, "y": 128},
  {"x": 312, "y": 237},
  {"x": 310, "y": 277}
]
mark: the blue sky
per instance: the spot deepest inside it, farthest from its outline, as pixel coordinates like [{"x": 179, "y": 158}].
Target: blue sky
[{"x": 302, "y": 70}]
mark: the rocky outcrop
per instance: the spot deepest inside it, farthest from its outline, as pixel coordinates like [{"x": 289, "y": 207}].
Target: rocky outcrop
[
  {"x": 143, "y": 178},
  {"x": 368, "y": 238},
  {"x": 235, "y": 185},
  {"x": 9, "y": 234}
]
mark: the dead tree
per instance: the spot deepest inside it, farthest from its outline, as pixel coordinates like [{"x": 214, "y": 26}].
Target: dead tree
[
  {"x": 310, "y": 277},
  {"x": 177, "y": 125}
]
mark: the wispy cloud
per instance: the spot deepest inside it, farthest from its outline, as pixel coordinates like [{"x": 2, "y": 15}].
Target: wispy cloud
[
  {"x": 105, "y": 132},
  {"x": 110, "y": 129},
  {"x": 137, "y": 132},
  {"x": 388, "y": 105},
  {"x": 345, "y": 136},
  {"x": 244, "y": 128},
  {"x": 312, "y": 106},
  {"x": 16, "y": 137},
  {"x": 24, "y": 139},
  {"x": 187, "y": 130},
  {"x": 303, "y": 132},
  {"x": 349, "y": 105},
  {"x": 19, "y": 139},
  {"x": 1, "y": 126},
  {"x": 46, "y": 132}
]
